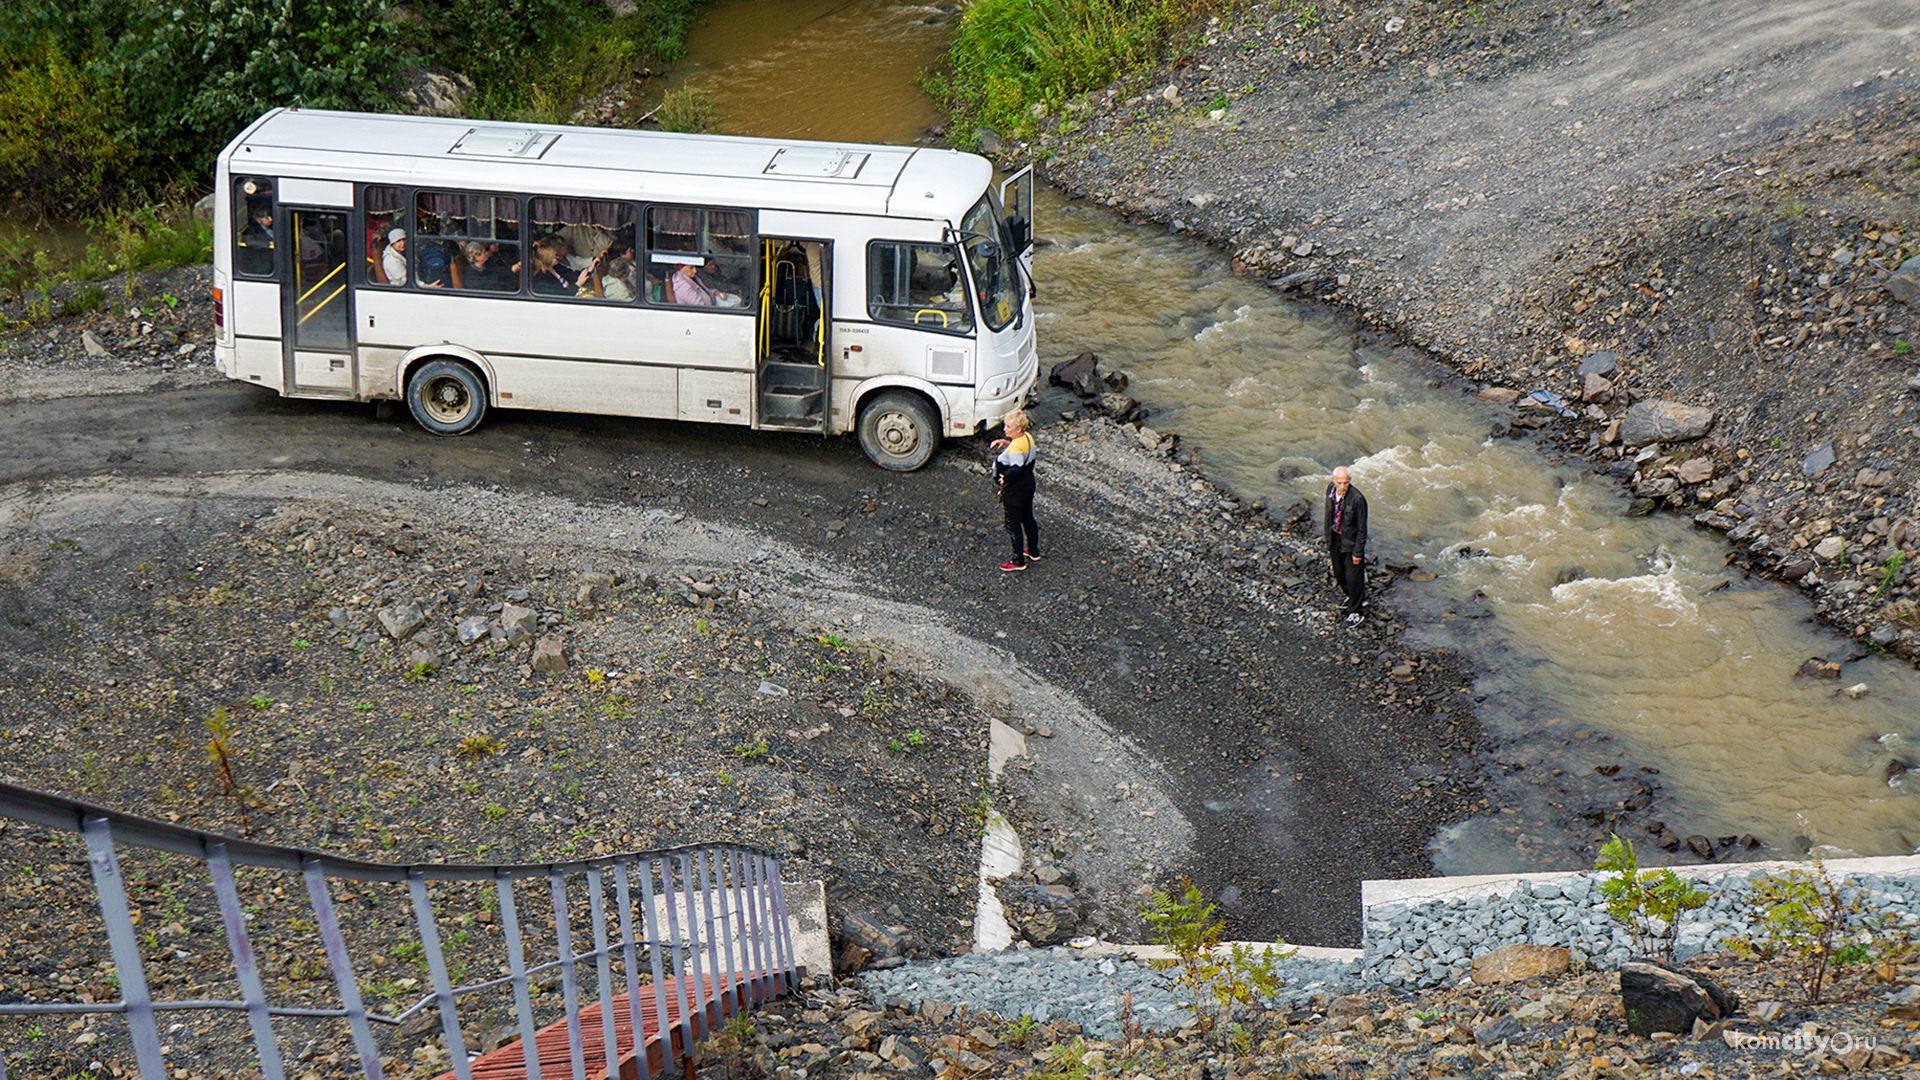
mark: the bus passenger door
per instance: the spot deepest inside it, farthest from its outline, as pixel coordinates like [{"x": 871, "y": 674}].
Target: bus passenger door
[
  {"x": 794, "y": 367},
  {"x": 317, "y": 304}
]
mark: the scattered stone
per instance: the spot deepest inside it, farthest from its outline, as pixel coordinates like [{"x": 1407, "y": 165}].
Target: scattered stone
[
  {"x": 1596, "y": 388},
  {"x": 1818, "y": 460},
  {"x": 1664, "y": 421},
  {"x": 401, "y": 620},
  {"x": 1830, "y": 548},
  {"x": 1696, "y": 470},
  {"x": 1504, "y": 395},
  {"x": 1656, "y": 997},
  {"x": 1603, "y": 364},
  {"x": 519, "y": 623},
  {"x": 1514, "y": 963},
  {"x": 1816, "y": 668},
  {"x": 549, "y": 655}
]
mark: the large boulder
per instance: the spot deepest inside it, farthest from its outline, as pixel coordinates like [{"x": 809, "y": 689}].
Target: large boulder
[
  {"x": 1663, "y": 421},
  {"x": 1656, "y": 997},
  {"x": 1514, "y": 963}
]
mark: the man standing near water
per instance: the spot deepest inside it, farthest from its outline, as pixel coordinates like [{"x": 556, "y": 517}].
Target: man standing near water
[{"x": 1347, "y": 540}]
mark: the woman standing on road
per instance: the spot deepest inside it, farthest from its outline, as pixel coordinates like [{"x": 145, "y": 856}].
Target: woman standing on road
[{"x": 1013, "y": 477}]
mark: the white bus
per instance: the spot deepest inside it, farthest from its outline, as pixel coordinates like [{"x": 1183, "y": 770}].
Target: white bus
[{"x": 461, "y": 265}]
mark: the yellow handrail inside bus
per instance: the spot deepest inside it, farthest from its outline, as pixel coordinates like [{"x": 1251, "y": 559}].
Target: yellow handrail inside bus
[
  {"x": 322, "y": 305},
  {"x": 930, "y": 311},
  {"x": 323, "y": 281}
]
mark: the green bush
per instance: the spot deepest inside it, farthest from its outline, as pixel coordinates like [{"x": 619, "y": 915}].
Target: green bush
[
  {"x": 1648, "y": 902},
  {"x": 56, "y": 151},
  {"x": 687, "y": 109},
  {"x": 1010, "y": 55}
]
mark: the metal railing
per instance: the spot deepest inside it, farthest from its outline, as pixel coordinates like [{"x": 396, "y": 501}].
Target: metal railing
[{"x": 712, "y": 925}]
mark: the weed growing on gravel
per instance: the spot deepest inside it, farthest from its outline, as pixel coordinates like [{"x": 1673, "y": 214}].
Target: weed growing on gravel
[
  {"x": 748, "y": 751},
  {"x": 494, "y": 812},
  {"x": 302, "y": 643},
  {"x": 1648, "y": 902},
  {"x": 220, "y": 756},
  {"x": 421, "y": 671},
  {"x": 479, "y": 746},
  {"x": 1902, "y": 347},
  {"x": 1816, "y": 921},
  {"x": 260, "y": 701},
  {"x": 831, "y": 641},
  {"x": 1898, "y": 559}
]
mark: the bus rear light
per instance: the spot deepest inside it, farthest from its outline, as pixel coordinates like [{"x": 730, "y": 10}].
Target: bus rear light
[{"x": 219, "y": 311}]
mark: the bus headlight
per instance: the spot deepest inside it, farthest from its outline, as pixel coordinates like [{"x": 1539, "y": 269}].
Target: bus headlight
[{"x": 999, "y": 387}]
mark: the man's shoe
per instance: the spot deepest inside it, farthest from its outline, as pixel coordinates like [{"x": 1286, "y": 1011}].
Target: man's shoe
[
  {"x": 1011, "y": 567},
  {"x": 1033, "y": 556}
]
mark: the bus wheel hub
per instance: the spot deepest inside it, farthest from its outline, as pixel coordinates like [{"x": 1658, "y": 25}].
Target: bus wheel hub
[{"x": 897, "y": 433}]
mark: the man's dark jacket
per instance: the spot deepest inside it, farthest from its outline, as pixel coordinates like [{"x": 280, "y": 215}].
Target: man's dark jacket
[{"x": 1351, "y": 530}]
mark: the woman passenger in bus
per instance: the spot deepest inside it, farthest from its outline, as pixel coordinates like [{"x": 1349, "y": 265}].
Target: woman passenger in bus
[
  {"x": 548, "y": 278},
  {"x": 606, "y": 280},
  {"x": 486, "y": 269},
  {"x": 684, "y": 288}
]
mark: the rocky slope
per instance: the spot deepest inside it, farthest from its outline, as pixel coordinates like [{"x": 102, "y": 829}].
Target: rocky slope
[{"x": 1707, "y": 204}]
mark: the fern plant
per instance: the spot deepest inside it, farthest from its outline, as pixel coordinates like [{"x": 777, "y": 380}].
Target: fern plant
[{"x": 1648, "y": 902}]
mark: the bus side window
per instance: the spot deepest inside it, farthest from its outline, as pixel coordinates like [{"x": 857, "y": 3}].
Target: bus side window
[
  {"x": 385, "y": 211},
  {"x": 253, "y": 226},
  {"x": 702, "y": 257},
  {"x": 917, "y": 285},
  {"x": 466, "y": 241}
]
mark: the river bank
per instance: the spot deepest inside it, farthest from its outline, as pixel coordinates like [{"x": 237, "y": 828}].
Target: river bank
[{"x": 1703, "y": 204}]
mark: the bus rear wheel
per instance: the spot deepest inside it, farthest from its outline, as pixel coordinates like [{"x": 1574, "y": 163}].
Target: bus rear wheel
[
  {"x": 447, "y": 397},
  {"x": 899, "y": 430}
]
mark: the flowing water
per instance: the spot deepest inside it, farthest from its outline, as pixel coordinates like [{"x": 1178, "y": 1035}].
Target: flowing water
[{"x": 1605, "y": 640}]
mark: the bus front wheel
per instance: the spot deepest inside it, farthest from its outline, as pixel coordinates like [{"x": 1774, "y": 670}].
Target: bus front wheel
[
  {"x": 899, "y": 430},
  {"x": 447, "y": 397}
]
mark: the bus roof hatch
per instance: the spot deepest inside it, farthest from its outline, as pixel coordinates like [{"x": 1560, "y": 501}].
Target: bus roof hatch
[
  {"x": 503, "y": 143},
  {"x": 815, "y": 162}
]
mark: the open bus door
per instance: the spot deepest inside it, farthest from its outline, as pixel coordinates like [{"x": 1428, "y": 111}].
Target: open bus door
[
  {"x": 795, "y": 366},
  {"x": 1016, "y": 202}
]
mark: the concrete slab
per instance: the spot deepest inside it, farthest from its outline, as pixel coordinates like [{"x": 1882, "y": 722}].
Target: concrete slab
[
  {"x": 807, "y": 921},
  {"x": 1160, "y": 952},
  {"x": 1003, "y": 742},
  {"x": 1411, "y": 892},
  {"x": 1000, "y": 855}
]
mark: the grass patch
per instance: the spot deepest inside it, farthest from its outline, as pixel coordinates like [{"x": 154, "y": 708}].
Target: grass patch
[{"x": 1011, "y": 55}]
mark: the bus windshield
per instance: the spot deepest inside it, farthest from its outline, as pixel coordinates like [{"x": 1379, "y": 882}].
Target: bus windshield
[{"x": 995, "y": 280}]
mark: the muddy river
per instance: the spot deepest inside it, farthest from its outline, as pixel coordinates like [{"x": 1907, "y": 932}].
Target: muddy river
[{"x": 1605, "y": 640}]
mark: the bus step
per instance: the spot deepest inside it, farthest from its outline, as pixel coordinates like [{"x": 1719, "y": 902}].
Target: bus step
[{"x": 789, "y": 401}]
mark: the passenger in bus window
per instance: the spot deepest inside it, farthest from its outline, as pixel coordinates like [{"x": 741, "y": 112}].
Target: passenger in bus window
[
  {"x": 487, "y": 268},
  {"x": 434, "y": 264},
  {"x": 549, "y": 276},
  {"x": 585, "y": 243},
  {"x": 609, "y": 280},
  {"x": 256, "y": 240},
  {"x": 393, "y": 261},
  {"x": 684, "y": 288}
]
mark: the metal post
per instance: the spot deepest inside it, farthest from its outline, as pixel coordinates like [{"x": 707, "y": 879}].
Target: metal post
[
  {"x": 437, "y": 972},
  {"x": 111, "y": 889},
  {"x": 651, "y": 923},
  {"x": 569, "y": 987},
  {"x": 721, "y": 992},
  {"x": 343, "y": 977},
  {"x": 252, "y": 991},
  {"x": 624, "y": 895},
  {"x": 668, "y": 901},
  {"x": 693, "y": 947},
  {"x": 603, "y": 969},
  {"x": 789, "y": 961},
  {"x": 756, "y": 954},
  {"x": 517, "y": 972}
]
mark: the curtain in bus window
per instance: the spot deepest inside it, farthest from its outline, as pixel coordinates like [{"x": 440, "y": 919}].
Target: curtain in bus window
[
  {"x": 699, "y": 257},
  {"x": 384, "y": 212},
  {"x": 588, "y": 235}
]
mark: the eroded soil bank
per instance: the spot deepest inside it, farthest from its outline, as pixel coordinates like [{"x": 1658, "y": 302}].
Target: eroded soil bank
[{"x": 1706, "y": 203}]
